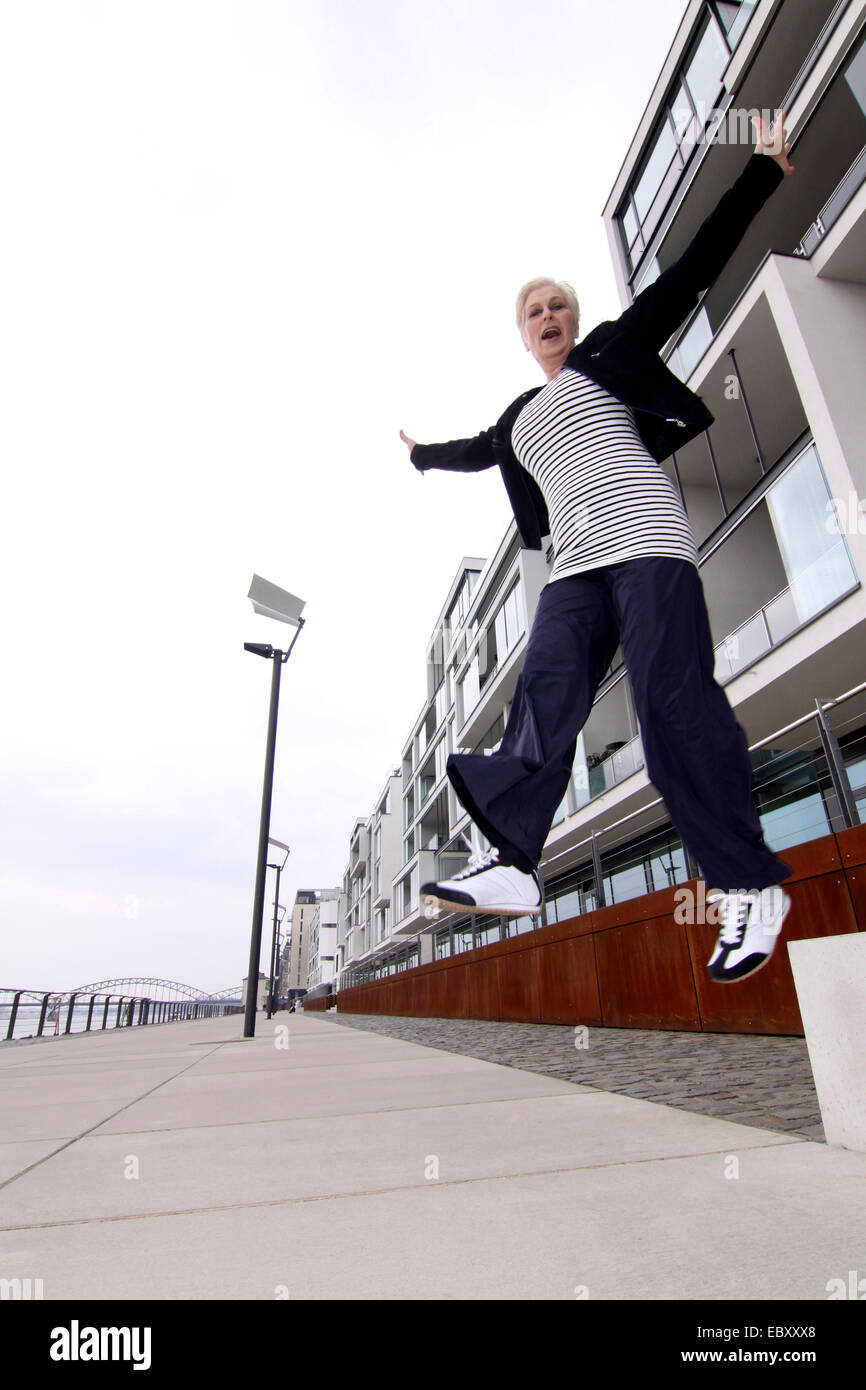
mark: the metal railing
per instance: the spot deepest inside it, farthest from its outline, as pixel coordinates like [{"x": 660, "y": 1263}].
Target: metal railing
[
  {"x": 63, "y": 1012},
  {"x": 835, "y": 808}
]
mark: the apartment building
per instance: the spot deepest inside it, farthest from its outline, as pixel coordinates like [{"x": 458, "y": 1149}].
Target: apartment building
[
  {"x": 365, "y": 905},
  {"x": 777, "y": 350},
  {"x": 322, "y": 954},
  {"x": 313, "y": 909}
]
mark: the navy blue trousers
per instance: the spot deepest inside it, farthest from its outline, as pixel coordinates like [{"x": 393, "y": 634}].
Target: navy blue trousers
[{"x": 695, "y": 751}]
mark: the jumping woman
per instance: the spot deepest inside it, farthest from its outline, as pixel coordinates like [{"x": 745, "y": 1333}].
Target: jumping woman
[{"x": 580, "y": 460}]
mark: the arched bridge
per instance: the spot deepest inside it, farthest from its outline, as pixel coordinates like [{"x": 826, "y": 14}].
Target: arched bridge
[{"x": 153, "y": 988}]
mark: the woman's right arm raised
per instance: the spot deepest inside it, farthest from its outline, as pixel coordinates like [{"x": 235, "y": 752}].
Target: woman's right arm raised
[{"x": 462, "y": 455}]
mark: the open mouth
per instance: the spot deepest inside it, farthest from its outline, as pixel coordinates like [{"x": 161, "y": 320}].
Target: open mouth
[{"x": 550, "y": 333}]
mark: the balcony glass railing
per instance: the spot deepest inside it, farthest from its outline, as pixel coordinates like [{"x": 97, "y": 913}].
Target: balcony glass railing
[
  {"x": 603, "y": 770},
  {"x": 690, "y": 347}
]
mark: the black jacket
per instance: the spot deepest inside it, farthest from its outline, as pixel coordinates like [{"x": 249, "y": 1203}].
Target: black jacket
[{"x": 622, "y": 355}]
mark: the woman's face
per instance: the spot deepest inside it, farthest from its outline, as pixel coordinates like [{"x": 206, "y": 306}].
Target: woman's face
[{"x": 549, "y": 329}]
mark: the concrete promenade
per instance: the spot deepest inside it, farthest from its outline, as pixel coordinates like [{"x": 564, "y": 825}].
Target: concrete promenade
[{"x": 315, "y": 1161}]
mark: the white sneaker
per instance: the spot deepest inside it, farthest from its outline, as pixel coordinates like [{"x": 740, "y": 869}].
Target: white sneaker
[
  {"x": 485, "y": 885},
  {"x": 750, "y": 924}
]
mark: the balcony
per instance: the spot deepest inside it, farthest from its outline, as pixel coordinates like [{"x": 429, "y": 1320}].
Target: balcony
[
  {"x": 772, "y": 624},
  {"x": 406, "y": 902},
  {"x": 612, "y": 766},
  {"x": 359, "y": 852}
]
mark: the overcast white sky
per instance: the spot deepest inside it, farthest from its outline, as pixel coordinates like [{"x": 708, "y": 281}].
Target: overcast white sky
[{"x": 244, "y": 242}]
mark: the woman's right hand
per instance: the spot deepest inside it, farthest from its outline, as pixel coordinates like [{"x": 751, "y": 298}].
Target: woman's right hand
[{"x": 410, "y": 443}]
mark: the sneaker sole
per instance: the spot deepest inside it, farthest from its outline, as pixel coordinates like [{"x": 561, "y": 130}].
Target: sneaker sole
[{"x": 509, "y": 910}]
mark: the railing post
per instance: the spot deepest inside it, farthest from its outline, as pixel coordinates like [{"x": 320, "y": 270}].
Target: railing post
[
  {"x": 596, "y": 871},
  {"x": 105, "y": 1010},
  {"x": 117, "y": 1022},
  {"x": 742, "y": 392},
  {"x": 13, "y": 1015},
  {"x": 836, "y": 765},
  {"x": 69, "y": 1013},
  {"x": 692, "y": 866},
  {"x": 90, "y": 1012},
  {"x": 43, "y": 1011},
  {"x": 716, "y": 473},
  {"x": 679, "y": 483}
]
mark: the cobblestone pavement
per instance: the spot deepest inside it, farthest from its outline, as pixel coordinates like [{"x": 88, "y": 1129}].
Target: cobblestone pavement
[{"x": 752, "y": 1080}]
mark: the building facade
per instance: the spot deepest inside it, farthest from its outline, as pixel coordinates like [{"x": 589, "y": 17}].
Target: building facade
[
  {"x": 321, "y": 966},
  {"x": 310, "y": 944}
]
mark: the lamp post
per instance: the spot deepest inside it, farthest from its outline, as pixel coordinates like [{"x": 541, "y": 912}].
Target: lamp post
[
  {"x": 272, "y": 602},
  {"x": 278, "y": 958},
  {"x": 279, "y": 868}
]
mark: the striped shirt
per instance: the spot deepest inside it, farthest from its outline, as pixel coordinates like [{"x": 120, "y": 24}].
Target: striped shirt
[{"x": 607, "y": 498}]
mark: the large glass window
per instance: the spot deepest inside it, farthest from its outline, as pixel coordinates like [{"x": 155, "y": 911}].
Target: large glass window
[
  {"x": 479, "y": 671},
  {"x": 656, "y": 167},
  {"x": 627, "y": 882},
  {"x": 855, "y": 76},
  {"x": 510, "y": 623},
  {"x": 809, "y": 535},
  {"x": 789, "y": 798},
  {"x": 855, "y": 766},
  {"x": 704, "y": 72},
  {"x": 693, "y": 96},
  {"x": 491, "y": 739},
  {"x": 470, "y": 688},
  {"x": 691, "y": 346},
  {"x": 785, "y": 562},
  {"x": 734, "y": 15},
  {"x": 441, "y": 755},
  {"x": 667, "y": 866},
  {"x": 608, "y": 746},
  {"x": 456, "y": 615}
]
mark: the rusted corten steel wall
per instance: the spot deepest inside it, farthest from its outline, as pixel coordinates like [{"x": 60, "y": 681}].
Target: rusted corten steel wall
[{"x": 633, "y": 965}]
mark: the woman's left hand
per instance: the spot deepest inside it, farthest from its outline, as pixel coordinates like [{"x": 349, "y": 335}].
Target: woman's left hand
[{"x": 767, "y": 144}]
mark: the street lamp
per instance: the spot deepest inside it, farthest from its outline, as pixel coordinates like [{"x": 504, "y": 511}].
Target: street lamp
[
  {"x": 279, "y": 868},
  {"x": 277, "y": 603},
  {"x": 277, "y": 961}
]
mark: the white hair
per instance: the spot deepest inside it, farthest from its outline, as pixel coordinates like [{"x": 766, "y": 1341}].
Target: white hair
[{"x": 565, "y": 289}]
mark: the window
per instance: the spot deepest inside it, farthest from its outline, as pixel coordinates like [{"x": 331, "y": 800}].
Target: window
[
  {"x": 668, "y": 867},
  {"x": 733, "y": 16},
  {"x": 436, "y": 660},
  {"x": 510, "y": 622},
  {"x": 789, "y": 799},
  {"x": 441, "y": 755},
  {"x": 493, "y": 736},
  {"x": 470, "y": 688},
  {"x": 456, "y": 615},
  {"x": 691, "y": 346},
  {"x": 809, "y": 535},
  {"x": 655, "y": 170},
  {"x": 650, "y": 272},
  {"x": 704, "y": 72},
  {"x": 692, "y": 100}
]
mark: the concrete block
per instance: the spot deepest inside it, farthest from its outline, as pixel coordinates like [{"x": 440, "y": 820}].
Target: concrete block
[{"x": 830, "y": 978}]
